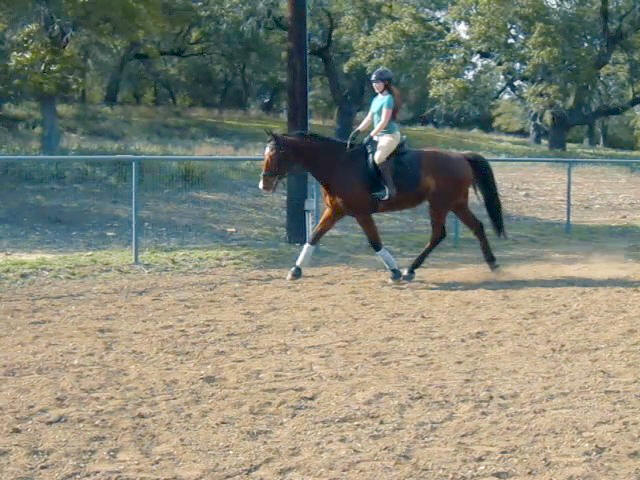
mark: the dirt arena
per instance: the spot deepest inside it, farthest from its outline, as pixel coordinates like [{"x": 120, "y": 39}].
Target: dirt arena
[{"x": 463, "y": 374}]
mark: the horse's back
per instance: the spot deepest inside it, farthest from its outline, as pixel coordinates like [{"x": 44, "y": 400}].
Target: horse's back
[{"x": 444, "y": 163}]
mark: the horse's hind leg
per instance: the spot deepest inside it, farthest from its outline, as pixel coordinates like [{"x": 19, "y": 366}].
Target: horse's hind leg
[
  {"x": 371, "y": 231},
  {"x": 438, "y": 233},
  {"x": 327, "y": 221},
  {"x": 467, "y": 217}
]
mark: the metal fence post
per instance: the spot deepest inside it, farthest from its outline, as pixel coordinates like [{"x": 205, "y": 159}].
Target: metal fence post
[
  {"x": 134, "y": 210},
  {"x": 567, "y": 225}
]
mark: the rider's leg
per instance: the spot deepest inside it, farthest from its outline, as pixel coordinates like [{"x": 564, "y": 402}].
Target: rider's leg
[{"x": 386, "y": 145}]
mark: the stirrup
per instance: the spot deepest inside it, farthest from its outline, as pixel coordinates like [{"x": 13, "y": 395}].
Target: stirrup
[{"x": 381, "y": 195}]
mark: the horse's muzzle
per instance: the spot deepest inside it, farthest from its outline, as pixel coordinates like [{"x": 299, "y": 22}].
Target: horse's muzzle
[{"x": 268, "y": 181}]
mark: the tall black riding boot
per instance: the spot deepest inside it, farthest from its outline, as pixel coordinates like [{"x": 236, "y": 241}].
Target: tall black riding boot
[{"x": 386, "y": 168}]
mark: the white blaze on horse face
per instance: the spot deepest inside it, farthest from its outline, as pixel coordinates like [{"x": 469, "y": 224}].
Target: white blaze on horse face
[{"x": 267, "y": 152}]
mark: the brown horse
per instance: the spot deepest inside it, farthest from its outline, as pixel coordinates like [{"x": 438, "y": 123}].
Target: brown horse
[{"x": 442, "y": 178}]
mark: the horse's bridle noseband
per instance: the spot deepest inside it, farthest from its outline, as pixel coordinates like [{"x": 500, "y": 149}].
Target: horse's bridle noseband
[{"x": 271, "y": 174}]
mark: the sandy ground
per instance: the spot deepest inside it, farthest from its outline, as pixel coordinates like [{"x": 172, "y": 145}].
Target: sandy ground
[{"x": 463, "y": 374}]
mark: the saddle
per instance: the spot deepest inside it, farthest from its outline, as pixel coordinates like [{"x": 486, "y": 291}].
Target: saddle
[{"x": 397, "y": 157}]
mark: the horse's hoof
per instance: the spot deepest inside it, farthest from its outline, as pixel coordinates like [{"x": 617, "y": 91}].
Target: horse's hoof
[
  {"x": 396, "y": 275},
  {"x": 408, "y": 275},
  {"x": 295, "y": 273},
  {"x": 494, "y": 266}
]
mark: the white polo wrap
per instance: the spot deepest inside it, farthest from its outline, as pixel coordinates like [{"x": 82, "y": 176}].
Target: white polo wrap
[
  {"x": 387, "y": 259},
  {"x": 305, "y": 255}
]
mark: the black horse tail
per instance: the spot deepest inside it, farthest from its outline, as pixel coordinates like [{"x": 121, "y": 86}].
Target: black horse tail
[{"x": 484, "y": 180}]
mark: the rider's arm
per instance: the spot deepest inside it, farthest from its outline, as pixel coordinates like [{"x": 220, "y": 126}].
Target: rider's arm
[
  {"x": 365, "y": 122},
  {"x": 386, "y": 116}
]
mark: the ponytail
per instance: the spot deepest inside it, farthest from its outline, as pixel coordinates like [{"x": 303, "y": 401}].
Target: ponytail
[{"x": 397, "y": 100}]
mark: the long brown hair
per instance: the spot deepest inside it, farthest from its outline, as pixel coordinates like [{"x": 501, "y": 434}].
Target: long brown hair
[{"x": 397, "y": 99}]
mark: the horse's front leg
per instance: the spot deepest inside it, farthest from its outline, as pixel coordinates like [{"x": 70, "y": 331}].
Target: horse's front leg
[
  {"x": 371, "y": 231},
  {"x": 328, "y": 219}
]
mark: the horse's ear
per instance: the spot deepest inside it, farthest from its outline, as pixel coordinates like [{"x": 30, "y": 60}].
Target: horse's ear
[{"x": 270, "y": 133}]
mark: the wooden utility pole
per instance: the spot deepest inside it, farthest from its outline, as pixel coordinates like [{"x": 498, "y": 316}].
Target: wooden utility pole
[{"x": 297, "y": 115}]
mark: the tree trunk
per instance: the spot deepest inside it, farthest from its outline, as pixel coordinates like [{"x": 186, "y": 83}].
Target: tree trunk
[
  {"x": 349, "y": 104},
  {"x": 137, "y": 95},
  {"x": 156, "y": 94},
  {"x": 590, "y": 136},
  {"x": 172, "y": 95},
  {"x": 226, "y": 85},
  {"x": 604, "y": 132},
  {"x": 345, "y": 114},
  {"x": 245, "y": 86},
  {"x": 50, "y": 126},
  {"x": 113, "y": 86},
  {"x": 536, "y": 130},
  {"x": 558, "y": 131},
  {"x": 115, "y": 78},
  {"x": 85, "y": 69}
]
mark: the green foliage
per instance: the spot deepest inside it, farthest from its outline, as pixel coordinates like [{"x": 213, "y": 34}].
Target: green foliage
[
  {"x": 509, "y": 116},
  {"x": 41, "y": 68},
  {"x": 622, "y": 131},
  {"x": 568, "y": 58},
  {"x": 402, "y": 35},
  {"x": 452, "y": 59}
]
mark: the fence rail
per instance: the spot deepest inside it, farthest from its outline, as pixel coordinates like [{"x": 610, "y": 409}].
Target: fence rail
[{"x": 310, "y": 206}]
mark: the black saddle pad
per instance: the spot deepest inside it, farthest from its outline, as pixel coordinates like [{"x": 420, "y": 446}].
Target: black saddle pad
[{"x": 405, "y": 168}]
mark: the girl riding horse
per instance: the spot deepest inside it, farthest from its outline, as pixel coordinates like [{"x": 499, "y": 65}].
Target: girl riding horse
[{"x": 439, "y": 177}]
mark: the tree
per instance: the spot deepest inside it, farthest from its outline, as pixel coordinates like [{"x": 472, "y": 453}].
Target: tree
[
  {"x": 43, "y": 61},
  {"x": 145, "y": 30},
  {"x": 350, "y": 39},
  {"x": 571, "y": 62}
]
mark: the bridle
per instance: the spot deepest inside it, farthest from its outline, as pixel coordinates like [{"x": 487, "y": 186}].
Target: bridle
[
  {"x": 276, "y": 175},
  {"x": 271, "y": 175}
]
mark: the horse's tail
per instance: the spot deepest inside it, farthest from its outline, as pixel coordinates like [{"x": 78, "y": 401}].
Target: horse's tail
[{"x": 484, "y": 180}]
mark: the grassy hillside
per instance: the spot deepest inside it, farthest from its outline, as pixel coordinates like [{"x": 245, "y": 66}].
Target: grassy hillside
[{"x": 164, "y": 130}]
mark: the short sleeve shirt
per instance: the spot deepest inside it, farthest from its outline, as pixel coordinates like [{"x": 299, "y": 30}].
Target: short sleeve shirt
[{"x": 379, "y": 103}]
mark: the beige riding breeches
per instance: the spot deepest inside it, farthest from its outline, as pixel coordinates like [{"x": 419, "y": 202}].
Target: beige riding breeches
[{"x": 386, "y": 144}]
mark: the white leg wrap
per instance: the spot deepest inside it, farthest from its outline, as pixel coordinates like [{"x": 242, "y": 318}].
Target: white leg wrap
[
  {"x": 305, "y": 255},
  {"x": 387, "y": 259}
]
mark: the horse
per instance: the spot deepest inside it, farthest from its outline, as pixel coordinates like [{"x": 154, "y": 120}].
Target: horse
[{"x": 442, "y": 178}]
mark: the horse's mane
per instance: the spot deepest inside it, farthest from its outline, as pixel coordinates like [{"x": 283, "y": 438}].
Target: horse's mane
[
  {"x": 315, "y": 137},
  {"x": 311, "y": 138}
]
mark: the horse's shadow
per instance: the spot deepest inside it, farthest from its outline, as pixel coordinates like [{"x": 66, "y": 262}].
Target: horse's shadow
[{"x": 519, "y": 284}]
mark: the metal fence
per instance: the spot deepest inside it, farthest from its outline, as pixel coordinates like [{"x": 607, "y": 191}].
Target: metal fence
[{"x": 130, "y": 171}]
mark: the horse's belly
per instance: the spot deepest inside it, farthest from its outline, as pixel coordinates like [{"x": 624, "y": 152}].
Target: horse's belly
[{"x": 402, "y": 201}]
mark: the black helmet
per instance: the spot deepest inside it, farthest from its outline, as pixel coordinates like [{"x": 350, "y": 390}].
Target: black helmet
[{"x": 382, "y": 75}]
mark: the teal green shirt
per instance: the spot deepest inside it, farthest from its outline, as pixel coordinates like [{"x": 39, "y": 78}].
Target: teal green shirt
[{"x": 378, "y": 103}]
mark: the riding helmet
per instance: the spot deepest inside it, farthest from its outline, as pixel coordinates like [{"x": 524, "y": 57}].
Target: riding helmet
[{"x": 382, "y": 75}]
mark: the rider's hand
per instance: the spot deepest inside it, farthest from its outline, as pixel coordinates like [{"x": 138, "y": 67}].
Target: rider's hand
[{"x": 366, "y": 140}]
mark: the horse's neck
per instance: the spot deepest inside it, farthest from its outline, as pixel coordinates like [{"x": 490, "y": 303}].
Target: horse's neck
[{"x": 319, "y": 165}]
